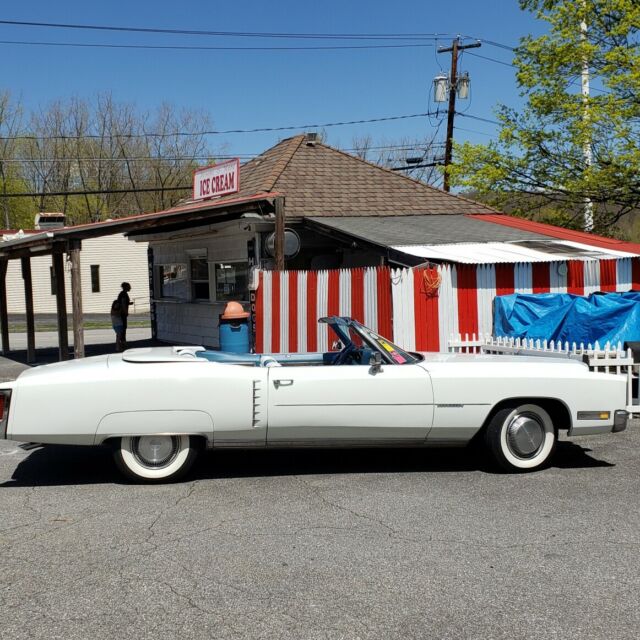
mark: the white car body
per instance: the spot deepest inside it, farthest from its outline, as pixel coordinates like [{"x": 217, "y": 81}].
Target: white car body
[{"x": 440, "y": 399}]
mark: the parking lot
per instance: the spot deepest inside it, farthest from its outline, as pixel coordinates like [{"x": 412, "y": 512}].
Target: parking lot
[{"x": 322, "y": 544}]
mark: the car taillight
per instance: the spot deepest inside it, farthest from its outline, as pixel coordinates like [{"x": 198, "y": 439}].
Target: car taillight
[{"x": 5, "y": 397}]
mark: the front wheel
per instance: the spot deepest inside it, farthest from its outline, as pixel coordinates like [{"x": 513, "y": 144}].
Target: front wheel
[
  {"x": 155, "y": 458},
  {"x": 521, "y": 438}
]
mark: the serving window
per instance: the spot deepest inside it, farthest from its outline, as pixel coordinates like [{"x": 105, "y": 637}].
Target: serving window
[{"x": 232, "y": 280}]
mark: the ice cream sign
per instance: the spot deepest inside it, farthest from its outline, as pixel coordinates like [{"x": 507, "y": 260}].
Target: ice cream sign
[{"x": 217, "y": 180}]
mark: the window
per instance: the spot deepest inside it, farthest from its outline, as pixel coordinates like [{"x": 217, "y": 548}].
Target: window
[
  {"x": 95, "y": 278},
  {"x": 171, "y": 281},
  {"x": 199, "y": 279},
  {"x": 232, "y": 280}
]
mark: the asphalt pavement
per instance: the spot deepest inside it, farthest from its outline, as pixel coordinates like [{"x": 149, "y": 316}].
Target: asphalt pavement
[{"x": 378, "y": 544}]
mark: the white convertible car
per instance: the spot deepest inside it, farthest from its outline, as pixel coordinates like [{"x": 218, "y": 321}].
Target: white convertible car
[{"x": 158, "y": 407}]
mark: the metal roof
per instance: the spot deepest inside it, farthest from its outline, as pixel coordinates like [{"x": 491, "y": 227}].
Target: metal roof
[
  {"x": 511, "y": 252},
  {"x": 197, "y": 212},
  {"x": 561, "y": 233},
  {"x": 430, "y": 229}
]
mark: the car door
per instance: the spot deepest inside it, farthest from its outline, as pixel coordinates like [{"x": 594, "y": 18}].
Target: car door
[{"x": 349, "y": 403}]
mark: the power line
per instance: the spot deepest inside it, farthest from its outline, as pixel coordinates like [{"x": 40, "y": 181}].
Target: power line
[
  {"x": 215, "y": 132},
  {"x": 40, "y": 194},
  {"x": 206, "y": 158},
  {"x": 468, "y": 115},
  {"x": 234, "y": 34},
  {"x": 87, "y": 45}
]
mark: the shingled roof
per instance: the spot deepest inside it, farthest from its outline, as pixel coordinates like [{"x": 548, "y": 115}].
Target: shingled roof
[{"x": 318, "y": 180}]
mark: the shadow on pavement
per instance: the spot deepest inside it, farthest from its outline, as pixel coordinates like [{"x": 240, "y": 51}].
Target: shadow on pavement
[{"x": 68, "y": 465}]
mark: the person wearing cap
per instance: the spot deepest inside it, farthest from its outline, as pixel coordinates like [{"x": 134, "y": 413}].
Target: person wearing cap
[{"x": 124, "y": 302}]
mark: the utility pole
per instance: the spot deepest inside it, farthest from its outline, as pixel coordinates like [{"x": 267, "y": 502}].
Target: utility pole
[
  {"x": 455, "y": 49},
  {"x": 586, "y": 146}
]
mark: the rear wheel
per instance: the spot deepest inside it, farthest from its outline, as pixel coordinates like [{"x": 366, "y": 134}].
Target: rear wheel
[
  {"x": 521, "y": 437},
  {"x": 155, "y": 458}
]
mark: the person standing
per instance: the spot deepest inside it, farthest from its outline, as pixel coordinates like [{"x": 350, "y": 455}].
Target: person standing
[{"x": 124, "y": 303}]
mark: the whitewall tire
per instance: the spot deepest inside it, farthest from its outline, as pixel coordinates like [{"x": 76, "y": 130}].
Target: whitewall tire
[
  {"x": 155, "y": 458},
  {"x": 521, "y": 437}
]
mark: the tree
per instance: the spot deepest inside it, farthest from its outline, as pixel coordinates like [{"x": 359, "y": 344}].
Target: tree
[
  {"x": 395, "y": 154},
  {"x": 539, "y": 154},
  {"x": 97, "y": 145}
]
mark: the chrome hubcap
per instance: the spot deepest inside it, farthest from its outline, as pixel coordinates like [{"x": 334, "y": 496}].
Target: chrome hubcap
[
  {"x": 155, "y": 451},
  {"x": 525, "y": 435}
]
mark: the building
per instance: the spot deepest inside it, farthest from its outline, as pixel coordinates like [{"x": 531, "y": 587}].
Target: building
[
  {"x": 308, "y": 230},
  {"x": 107, "y": 261},
  {"x": 343, "y": 213}
]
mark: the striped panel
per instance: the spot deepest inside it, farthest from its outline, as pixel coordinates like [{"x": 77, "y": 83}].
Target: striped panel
[
  {"x": 385, "y": 313},
  {"x": 403, "y": 311},
  {"x": 467, "y": 299},
  {"x": 357, "y": 294},
  {"x": 312, "y": 311},
  {"x": 558, "y": 277},
  {"x": 259, "y": 319},
  {"x": 425, "y": 303},
  {"x": 591, "y": 277},
  {"x": 448, "y": 305},
  {"x": 302, "y": 312},
  {"x": 486, "y": 294},
  {"x": 370, "y": 299},
  {"x": 541, "y": 277},
  {"x": 575, "y": 277},
  {"x": 608, "y": 275},
  {"x": 321, "y": 310},
  {"x": 285, "y": 318},
  {"x": 523, "y": 278},
  {"x": 344, "y": 308},
  {"x": 268, "y": 310},
  {"x": 624, "y": 275},
  {"x": 635, "y": 274},
  {"x": 292, "y": 324}
]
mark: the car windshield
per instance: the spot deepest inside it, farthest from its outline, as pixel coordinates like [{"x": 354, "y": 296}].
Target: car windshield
[{"x": 355, "y": 336}]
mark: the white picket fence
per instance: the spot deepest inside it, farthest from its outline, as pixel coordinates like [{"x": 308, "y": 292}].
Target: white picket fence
[{"x": 609, "y": 358}]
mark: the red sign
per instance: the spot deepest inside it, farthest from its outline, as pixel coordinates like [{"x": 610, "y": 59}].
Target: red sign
[{"x": 216, "y": 180}]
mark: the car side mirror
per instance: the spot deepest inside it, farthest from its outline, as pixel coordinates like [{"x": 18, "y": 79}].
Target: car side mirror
[{"x": 375, "y": 363}]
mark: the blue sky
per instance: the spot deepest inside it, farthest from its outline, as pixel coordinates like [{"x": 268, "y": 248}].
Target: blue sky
[{"x": 248, "y": 89}]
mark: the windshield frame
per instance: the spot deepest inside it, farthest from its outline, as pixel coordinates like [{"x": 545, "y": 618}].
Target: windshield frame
[{"x": 389, "y": 352}]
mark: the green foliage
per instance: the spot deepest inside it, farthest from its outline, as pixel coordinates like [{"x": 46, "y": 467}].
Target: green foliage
[{"x": 540, "y": 148}]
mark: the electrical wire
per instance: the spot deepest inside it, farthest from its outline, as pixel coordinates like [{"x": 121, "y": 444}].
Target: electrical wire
[
  {"x": 215, "y": 132},
  {"x": 234, "y": 34},
  {"x": 87, "y": 45},
  {"x": 206, "y": 158},
  {"x": 47, "y": 194}
]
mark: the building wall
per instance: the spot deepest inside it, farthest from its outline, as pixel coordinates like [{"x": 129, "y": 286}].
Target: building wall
[
  {"x": 421, "y": 309},
  {"x": 181, "y": 320},
  {"x": 119, "y": 260}
]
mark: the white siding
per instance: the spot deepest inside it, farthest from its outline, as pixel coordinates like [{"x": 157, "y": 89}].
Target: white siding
[
  {"x": 119, "y": 259},
  {"x": 197, "y": 322}
]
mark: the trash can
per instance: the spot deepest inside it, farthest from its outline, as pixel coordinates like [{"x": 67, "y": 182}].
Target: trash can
[{"x": 234, "y": 329}]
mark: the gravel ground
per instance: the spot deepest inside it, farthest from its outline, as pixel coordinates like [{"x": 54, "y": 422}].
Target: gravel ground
[{"x": 321, "y": 544}]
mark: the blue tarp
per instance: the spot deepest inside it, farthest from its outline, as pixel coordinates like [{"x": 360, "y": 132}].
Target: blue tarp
[{"x": 605, "y": 317}]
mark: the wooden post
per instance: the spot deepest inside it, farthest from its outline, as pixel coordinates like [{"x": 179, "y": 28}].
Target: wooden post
[
  {"x": 61, "y": 304},
  {"x": 279, "y": 243},
  {"x": 4, "y": 315},
  {"x": 28, "y": 303},
  {"x": 76, "y": 299}
]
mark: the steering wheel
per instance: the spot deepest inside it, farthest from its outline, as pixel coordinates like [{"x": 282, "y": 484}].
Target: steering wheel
[{"x": 347, "y": 355}]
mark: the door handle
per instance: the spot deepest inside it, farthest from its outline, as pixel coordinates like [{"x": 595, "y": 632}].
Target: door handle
[{"x": 282, "y": 383}]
